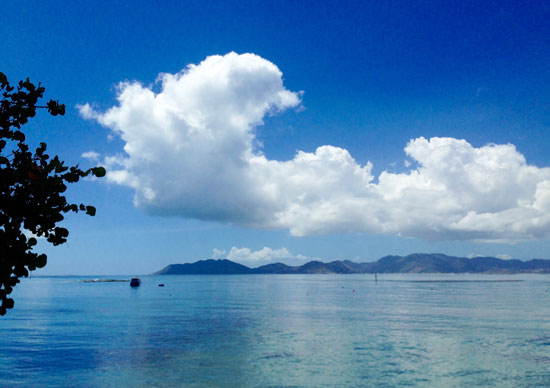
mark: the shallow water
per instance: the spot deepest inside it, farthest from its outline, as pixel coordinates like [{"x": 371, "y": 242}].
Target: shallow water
[{"x": 280, "y": 331}]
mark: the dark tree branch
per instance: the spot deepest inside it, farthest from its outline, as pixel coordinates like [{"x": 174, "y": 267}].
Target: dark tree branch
[{"x": 31, "y": 188}]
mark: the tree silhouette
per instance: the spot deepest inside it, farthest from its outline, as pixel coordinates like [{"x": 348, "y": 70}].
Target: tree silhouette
[{"x": 31, "y": 188}]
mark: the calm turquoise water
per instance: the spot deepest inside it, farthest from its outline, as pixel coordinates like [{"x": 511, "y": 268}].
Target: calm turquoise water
[{"x": 279, "y": 331}]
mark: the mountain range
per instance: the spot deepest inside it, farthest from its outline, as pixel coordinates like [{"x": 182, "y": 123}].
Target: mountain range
[{"x": 414, "y": 263}]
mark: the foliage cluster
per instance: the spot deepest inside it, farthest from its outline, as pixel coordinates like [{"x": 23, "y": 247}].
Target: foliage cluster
[{"x": 32, "y": 184}]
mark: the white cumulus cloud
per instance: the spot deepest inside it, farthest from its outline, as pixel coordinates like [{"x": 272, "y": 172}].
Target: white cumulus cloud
[
  {"x": 264, "y": 256},
  {"x": 190, "y": 151}
]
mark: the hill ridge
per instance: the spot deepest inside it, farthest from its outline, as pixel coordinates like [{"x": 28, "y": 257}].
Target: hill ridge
[{"x": 412, "y": 263}]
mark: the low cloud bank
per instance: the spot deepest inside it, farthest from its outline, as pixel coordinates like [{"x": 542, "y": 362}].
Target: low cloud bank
[
  {"x": 263, "y": 256},
  {"x": 190, "y": 150}
]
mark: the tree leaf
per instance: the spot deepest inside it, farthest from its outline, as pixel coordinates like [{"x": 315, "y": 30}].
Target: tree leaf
[
  {"x": 99, "y": 171},
  {"x": 41, "y": 261}
]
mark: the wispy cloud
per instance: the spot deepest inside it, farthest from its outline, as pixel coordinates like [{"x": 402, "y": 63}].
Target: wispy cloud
[
  {"x": 504, "y": 256},
  {"x": 190, "y": 150},
  {"x": 218, "y": 253},
  {"x": 91, "y": 155}
]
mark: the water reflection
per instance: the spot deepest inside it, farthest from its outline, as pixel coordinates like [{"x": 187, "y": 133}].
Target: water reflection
[{"x": 247, "y": 331}]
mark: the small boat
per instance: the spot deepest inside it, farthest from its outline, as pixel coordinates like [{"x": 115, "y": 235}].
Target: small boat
[
  {"x": 135, "y": 282},
  {"x": 161, "y": 285}
]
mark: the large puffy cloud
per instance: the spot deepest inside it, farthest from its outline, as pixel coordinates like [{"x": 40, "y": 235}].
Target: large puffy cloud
[{"x": 190, "y": 150}]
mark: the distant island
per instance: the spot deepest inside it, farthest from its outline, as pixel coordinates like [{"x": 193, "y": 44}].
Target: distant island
[{"x": 414, "y": 263}]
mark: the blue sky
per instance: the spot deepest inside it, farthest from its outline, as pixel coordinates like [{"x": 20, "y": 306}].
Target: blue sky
[{"x": 365, "y": 79}]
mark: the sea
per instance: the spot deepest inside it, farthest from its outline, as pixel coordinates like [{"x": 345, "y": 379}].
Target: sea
[{"x": 406, "y": 330}]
